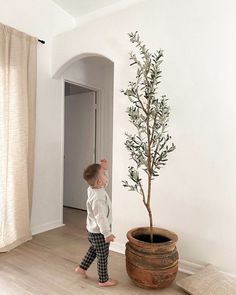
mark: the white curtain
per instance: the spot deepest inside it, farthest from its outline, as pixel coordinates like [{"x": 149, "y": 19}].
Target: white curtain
[{"x": 18, "y": 60}]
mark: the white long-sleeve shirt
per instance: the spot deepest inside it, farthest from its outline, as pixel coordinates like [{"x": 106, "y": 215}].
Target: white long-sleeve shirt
[{"x": 99, "y": 212}]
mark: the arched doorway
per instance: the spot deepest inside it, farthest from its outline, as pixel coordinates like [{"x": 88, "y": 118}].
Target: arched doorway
[{"x": 92, "y": 74}]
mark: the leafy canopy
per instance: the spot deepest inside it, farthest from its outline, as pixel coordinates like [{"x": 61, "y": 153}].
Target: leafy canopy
[{"x": 149, "y": 113}]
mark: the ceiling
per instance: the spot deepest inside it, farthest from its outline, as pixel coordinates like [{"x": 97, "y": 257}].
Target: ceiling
[{"x": 78, "y": 8}]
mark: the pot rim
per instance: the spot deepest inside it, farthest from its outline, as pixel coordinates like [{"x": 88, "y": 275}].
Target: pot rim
[{"x": 171, "y": 235}]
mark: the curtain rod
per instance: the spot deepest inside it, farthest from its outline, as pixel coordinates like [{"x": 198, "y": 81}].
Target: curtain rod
[{"x": 41, "y": 41}]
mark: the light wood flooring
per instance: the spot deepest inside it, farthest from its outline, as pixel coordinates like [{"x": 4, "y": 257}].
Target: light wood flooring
[{"x": 45, "y": 265}]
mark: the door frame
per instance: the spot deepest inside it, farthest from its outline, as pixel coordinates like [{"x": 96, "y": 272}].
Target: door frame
[{"x": 99, "y": 127}]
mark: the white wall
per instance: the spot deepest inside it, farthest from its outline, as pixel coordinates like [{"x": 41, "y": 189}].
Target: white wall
[
  {"x": 43, "y": 19},
  {"x": 195, "y": 194}
]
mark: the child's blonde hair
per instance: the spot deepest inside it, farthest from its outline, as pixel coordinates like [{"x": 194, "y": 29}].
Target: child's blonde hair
[{"x": 91, "y": 173}]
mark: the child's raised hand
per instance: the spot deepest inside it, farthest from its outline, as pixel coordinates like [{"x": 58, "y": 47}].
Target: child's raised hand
[
  {"x": 103, "y": 164},
  {"x": 110, "y": 238}
]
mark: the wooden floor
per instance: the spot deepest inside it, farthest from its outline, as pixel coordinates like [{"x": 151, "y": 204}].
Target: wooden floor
[{"x": 45, "y": 265}]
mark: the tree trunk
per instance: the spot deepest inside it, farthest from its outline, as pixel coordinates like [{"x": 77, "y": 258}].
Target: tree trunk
[
  {"x": 151, "y": 225},
  {"x": 149, "y": 206}
]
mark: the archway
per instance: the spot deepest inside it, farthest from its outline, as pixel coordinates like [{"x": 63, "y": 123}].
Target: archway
[
  {"x": 59, "y": 72},
  {"x": 96, "y": 73}
]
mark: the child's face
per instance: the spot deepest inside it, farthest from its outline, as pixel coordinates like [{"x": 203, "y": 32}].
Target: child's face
[{"x": 102, "y": 178}]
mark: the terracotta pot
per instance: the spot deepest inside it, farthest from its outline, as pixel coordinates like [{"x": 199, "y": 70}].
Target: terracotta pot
[{"x": 151, "y": 265}]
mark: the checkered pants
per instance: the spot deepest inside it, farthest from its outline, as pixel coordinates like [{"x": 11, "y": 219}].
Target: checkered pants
[{"x": 100, "y": 249}]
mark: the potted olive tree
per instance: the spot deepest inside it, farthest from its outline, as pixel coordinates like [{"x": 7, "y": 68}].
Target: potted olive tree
[{"x": 151, "y": 254}]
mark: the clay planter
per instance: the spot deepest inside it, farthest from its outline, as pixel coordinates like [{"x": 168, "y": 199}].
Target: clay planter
[{"x": 151, "y": 265}]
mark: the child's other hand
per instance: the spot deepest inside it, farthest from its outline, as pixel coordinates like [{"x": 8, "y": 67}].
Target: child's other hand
[
  {"x": 103, "y": 164},
  {"x": 110, "y": 238}
]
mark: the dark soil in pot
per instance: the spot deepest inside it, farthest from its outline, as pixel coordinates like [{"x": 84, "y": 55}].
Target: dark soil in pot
[{"x": 147, "y": 238}]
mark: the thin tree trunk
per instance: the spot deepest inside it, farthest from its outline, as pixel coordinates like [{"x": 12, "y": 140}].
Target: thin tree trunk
[
  {"x": 149, "y": 207},
  {"x": 149, "y": 174},
  {"x": 151, "y": 225}
]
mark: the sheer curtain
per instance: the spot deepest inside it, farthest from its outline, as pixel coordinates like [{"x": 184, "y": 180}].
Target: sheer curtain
[{"x": 18, "y": 60}]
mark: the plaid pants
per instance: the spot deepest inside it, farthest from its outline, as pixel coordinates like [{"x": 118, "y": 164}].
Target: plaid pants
[{"x": 100, "y": 249}]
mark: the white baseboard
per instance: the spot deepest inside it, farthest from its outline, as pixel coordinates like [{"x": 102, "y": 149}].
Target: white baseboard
[
  {"x": 46, "y": 226},
  {"x": 184, "y": 266},
  {"x": 117, "y": 247}
]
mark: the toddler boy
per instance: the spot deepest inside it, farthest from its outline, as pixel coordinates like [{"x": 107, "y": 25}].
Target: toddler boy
[{"x": 98, "y": 223}]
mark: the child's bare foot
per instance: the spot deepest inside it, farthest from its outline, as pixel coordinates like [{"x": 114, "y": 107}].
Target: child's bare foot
[
  {"x": 108, "y": 283},
  {"x": 81, "y": 272}
]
